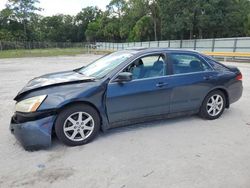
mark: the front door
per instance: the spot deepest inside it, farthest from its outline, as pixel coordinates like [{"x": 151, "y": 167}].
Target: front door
[{"x": 147, "y": 94}]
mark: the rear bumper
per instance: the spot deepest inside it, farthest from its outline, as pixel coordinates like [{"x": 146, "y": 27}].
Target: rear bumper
[
  {"x": 235, "y": 92},
  {"x": 33, "y": 135}
]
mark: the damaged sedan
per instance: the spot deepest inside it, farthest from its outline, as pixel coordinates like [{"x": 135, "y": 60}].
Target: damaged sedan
[{"x": 122, "y": 88}]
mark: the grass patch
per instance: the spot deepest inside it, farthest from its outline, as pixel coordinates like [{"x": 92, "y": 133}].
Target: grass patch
[{"x": 42, "y": 52}]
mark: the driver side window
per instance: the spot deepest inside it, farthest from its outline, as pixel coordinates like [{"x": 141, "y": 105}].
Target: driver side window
[{"x": 147, "y": 67}]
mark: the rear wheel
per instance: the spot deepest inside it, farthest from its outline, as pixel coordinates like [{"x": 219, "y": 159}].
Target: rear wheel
[
  {"x": 213, "y": 105},
  {"x": 77, "y": 125}
]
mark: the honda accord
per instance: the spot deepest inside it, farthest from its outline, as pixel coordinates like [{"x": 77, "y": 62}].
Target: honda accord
[{"x": 121, "y": 88}]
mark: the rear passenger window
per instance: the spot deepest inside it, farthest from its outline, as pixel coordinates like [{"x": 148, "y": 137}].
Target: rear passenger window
[
  {"x": 188, "y": 63},
  {"x": 216, "y": 66}
]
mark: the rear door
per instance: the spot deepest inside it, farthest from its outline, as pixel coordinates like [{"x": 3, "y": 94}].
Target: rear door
[
  {"x": 146, "y": 95},
  {"x": 191, "y": 80}
]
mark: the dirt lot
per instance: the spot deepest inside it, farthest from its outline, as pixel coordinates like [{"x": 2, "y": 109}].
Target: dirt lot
[{"x": 182, "y": 152}]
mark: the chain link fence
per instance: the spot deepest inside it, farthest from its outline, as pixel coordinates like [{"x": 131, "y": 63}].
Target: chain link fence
[{"x": 6, "y": 45}]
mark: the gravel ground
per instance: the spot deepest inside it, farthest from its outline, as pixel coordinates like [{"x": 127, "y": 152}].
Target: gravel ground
[{"x": 181, "y": 152}]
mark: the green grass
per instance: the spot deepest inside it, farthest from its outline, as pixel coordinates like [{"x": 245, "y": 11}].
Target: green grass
[{"x": 42, "y": 52}]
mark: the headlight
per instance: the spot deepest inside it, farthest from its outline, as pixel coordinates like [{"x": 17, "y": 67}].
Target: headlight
[{"x": 30, "y": 104}]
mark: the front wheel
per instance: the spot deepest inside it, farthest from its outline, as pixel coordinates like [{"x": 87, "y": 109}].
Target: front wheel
[
  {"x": 213, "y": 105},
  {"x": 77, "y": 125}
]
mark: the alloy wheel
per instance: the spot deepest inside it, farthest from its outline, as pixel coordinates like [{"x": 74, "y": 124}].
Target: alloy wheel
[
  {"x": 215, "y": 105},
  {"x": 78, "y": 126}
]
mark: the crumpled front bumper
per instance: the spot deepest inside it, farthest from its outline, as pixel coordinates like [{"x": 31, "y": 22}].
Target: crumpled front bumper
[{"x": 33, "y": 135}]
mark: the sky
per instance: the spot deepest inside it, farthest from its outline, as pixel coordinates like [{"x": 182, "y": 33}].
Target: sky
[{"x": 71, "y": 7}]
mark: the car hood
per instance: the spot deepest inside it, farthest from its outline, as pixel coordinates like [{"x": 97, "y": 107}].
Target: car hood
[{"x": 54, "y": 79}]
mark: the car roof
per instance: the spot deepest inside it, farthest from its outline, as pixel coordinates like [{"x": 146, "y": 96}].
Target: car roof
[{"x": 141, "y": 50}]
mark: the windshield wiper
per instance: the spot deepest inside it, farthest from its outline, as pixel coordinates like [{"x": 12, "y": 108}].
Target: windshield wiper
[{"x": 77, "y": 70}]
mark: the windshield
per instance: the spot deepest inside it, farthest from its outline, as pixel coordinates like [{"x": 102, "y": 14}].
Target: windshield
[{"x": 105, "y": 65}]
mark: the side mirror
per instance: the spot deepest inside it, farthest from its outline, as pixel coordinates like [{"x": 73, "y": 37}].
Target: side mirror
[{"x": 124, "y": 77}]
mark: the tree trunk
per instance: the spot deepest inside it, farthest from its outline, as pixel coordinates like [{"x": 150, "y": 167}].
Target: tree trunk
[
  {"x": 25, "y": 30},
  {"x": 155, "y": 29},
  {"x": 200, "y": 33},
  {"x": 191, "y": 34}
]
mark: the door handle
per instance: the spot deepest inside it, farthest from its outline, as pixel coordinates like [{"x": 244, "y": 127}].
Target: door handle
[{"x": 161, "y": 84}]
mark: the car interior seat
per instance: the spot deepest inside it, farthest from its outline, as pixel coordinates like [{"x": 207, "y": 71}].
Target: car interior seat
[
  {"x": 196, "y": 66},
  {"x": 138, "y": 69},
  {"x": 175, "y": 66},
  {"x": 157, "y": 69}
]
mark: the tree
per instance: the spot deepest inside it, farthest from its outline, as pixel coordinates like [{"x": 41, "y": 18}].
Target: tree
[
  {"x": 117, "y": 8},
  {"x": 136, "y": 9},
  {"x": 247, "y": 26},
  {"x": 92, "y": 31},
  {"x": 10, "y": 29},
  {"x": 128, "y": 20},
  {"x": 22, "y": 11},
  {"x": 83, "y": 18},
  {"x": 116, "y": 11},
  {"x": 197, "y": 18},
  {"x": 154, "y": 12},
  {"x": 143, "y": 29},
  {"x": 58, "y": 28},
  {"x": 112, "y": 30}
]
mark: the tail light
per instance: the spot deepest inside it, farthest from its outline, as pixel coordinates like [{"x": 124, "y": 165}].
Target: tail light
[{"x": 239, "y": 76}]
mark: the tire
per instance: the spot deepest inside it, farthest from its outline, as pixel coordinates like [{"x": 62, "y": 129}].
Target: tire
[
  {"x": 77, "y": 125},
  {"x": 213, "y": 105}
]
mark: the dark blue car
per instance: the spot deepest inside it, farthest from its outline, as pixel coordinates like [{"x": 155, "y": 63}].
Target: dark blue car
[{"x": 125, "y": 87}]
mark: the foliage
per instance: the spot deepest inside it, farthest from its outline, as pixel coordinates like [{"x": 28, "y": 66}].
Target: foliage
[
  {"x": 128, "y": 20},
  {"x": 143, "y": 29},
  {"x": 203, "y": 19},
  {"x": 21, "y": 12}
]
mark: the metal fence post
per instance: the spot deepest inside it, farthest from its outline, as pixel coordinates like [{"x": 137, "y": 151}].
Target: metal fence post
[
  {"x": 213, "y": 45},
  {"x": 169, "y": 43},
  {"x": 149, "y": 44},
  {"x": 158, "y": 44},
  {"x": 181, "y": 43},
  {"x": 235, "y": 45},
  {"x": 195, "y": 42}
]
